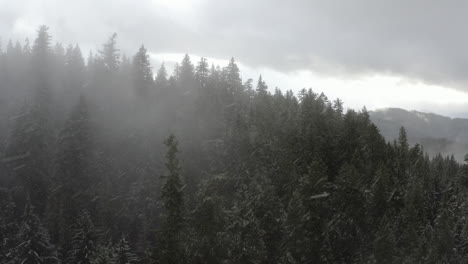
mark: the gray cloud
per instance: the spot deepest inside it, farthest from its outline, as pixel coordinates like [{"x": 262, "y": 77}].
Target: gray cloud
[{"x": 418, "y": 39}]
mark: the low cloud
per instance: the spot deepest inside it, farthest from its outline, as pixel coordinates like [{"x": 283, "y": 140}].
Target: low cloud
[{"x": 416, "y": 39}]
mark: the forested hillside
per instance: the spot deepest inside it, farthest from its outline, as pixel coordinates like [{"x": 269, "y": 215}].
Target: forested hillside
[
  {"x": 436, "y": 133},
  {"x": 102, "y": 162}
]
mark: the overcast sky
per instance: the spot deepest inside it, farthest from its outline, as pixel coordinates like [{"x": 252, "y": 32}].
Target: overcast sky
[{"x": 411, "y": 54}]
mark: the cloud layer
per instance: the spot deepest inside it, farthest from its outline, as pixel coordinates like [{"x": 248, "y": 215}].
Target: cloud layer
[{"x": 424, "y": 40}]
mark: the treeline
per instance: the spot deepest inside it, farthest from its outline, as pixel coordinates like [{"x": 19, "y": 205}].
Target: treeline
[{"x": 102, "y": 162}]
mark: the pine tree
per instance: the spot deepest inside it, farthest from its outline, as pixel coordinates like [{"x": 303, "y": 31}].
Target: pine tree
[
  {"x": 32, "y": 242},
  {"x": 161, "y": 81},
  {"x": 232, "y": 76},
  {"x": 243, "y": 235},
  {"x": 201, "y": 72},
  {"x": 83, "y": 244},
  {"x": 27, "y": 47},
  {"x": 8, "y": 224},
  {"x": 28, "y": 150},
  {"x": 110, "y": 54},
  {"x": 402, "y": 158},
  {"x": 208, "y": 220},
  {"x": 403, "y": 140},
  {"x": 262, "y": 88},
  {"x": 123, "y": 253},
  {"x": 105, "y": 254},
  {"x": 261, "y": 198},
  {"x": 41, "y": 51},
  {"x": 304, "y": 231},
  {"x": 142, "y": 73},
  {"x": 173, "y": 201},
  {"x": 382, "y": 188},
  {"x": 74, "y": 69},
  {"x": 384, "y": 244},
  {"x": 72, "y": 189},
  {"x": 185, "y": 75},
  {"x": 41, "y": 69}
]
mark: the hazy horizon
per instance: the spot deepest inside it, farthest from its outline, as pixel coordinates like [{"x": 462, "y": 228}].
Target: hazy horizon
[{"x": 343, "y": 54}]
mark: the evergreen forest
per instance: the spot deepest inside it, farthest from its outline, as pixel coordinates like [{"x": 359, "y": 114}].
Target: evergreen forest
[{"x": 107, "y": 160}]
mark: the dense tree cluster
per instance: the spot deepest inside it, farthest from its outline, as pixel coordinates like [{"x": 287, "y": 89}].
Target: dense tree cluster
[{"x": 102, "y": 162}]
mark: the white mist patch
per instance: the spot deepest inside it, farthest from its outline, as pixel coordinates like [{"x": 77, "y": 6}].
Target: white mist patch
[{"x": 422, "y": 117}]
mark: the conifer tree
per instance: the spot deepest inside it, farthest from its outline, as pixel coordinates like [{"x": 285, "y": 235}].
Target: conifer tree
[
  {"x": 233, "y": 79},
  {"x": 8, "y": 225},
  {"x": 74, "y": 69},
  {"x": 110, "y": 55},
  {"x": 31, "y": 134},
  {"x": 83, "y": 244},
  {"x": 185, "y": 75},
  {"x": 28, "y": 149},
  {"x": 262, "y": 88},
  {"x": 32, "y": 242},
  {"x": 208, "y": 220},
  {"x": 72, "y": 190},
  {"x": 142, "y": 73},
  {"x": 173, "y": 200},
  {"x": 105, "y": 254},
  {"x": 402, "y": 158},
  {"x": 304, "y": 231},
  {"x": 201, "y": 72},
  {"x": 122, "y": 253},
  {"x": 161, "y": 81}
]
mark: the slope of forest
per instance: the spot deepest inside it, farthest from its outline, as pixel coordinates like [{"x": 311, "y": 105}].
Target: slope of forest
[
  {"x": 102, "y": 162},
  {"x": 438, "y": 134}
]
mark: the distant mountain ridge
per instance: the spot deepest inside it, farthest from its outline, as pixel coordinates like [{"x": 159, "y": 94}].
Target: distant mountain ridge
[{"x": 437, "y": 133}]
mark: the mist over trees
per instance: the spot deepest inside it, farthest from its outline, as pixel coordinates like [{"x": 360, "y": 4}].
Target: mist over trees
[{"x": 102, "y": 162}]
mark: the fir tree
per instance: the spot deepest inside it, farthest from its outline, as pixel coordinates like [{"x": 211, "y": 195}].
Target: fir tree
[
  {"x": 72, "y": 191},
  {"x": 105, "y": 254},
  {"x": 173, "y": 201},
  {"x": 161, "y": 81},
  {"x": 142, "y": 73},
  {"x": 110, "y": 55},
  {"x": 201, "y": 72},
  {"x": 123, "y": 253},
  {"x": 83, "y": 244},
  {"x": 233, "y": 79},
  {"x": 8, "y": 225},
  {"x": 262, "y": 88},
  {"x": 32, "y": 242},
  {"x": 185, "y": 75}
]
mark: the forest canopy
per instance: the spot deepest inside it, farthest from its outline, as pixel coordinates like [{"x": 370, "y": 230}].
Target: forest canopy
[{"x": 108, "y": 160}]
